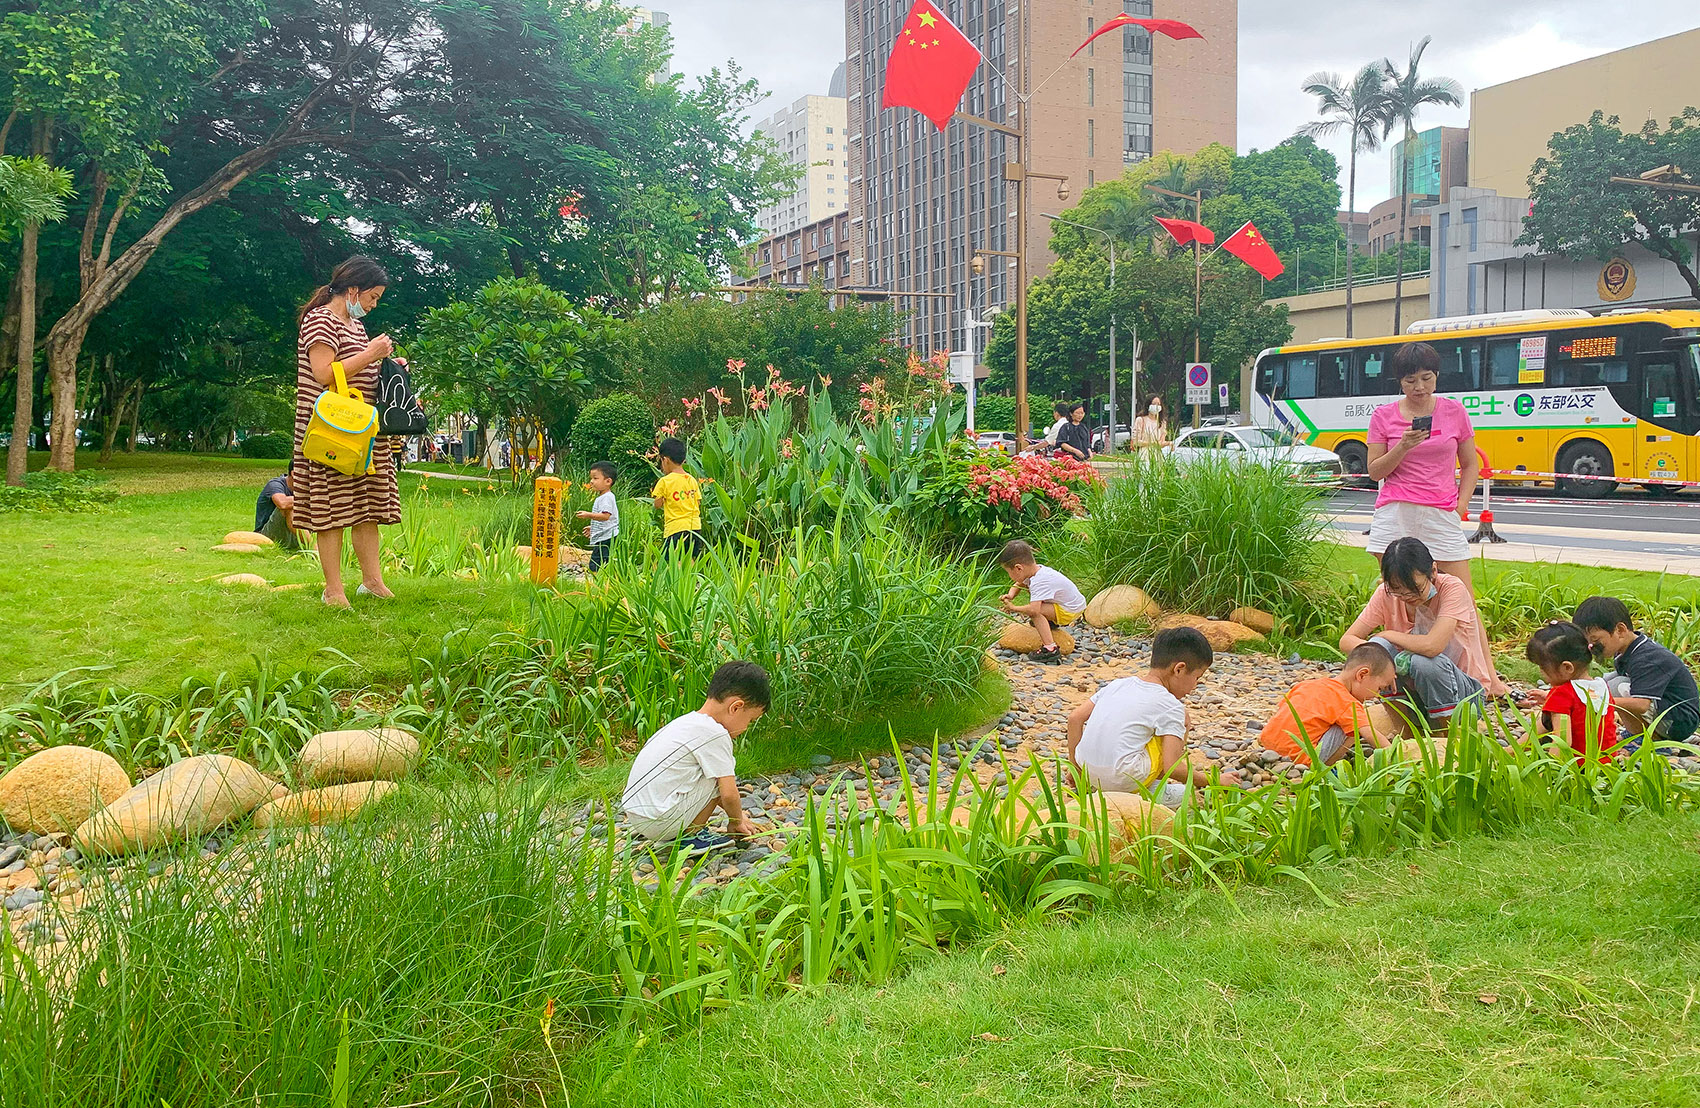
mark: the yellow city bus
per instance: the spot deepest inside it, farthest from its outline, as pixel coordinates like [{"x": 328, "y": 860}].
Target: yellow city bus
[{"x": 1594, "y": 399}]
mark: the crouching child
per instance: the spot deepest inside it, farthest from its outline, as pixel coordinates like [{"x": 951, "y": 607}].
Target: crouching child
[{"x": 1329, "y": 713}]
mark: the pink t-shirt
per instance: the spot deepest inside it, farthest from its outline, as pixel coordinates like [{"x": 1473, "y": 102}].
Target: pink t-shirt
[
  {"x": 1386, "y": 613},
  {"x": 1428, "y": 475}
]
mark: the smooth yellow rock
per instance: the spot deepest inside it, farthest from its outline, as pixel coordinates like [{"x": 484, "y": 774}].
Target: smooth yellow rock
[
  {"x": 1222, "y": 634},
  {"x": 253, "y": 580},
  {"x": 54, "y": 790},
  {"x": 249, "y": 538},
  {"x": 1118, "y": 604},
  {"x": 236, "y": 548},
  {"x": 1023, "y": 639},
  {"x": 1255, "y": 618},
  {"x": 316, "y": 807},
  {"x": 181, "y": 801},
  {"x": 290, "y": 588},
  {"x": 379, "y": 754}
]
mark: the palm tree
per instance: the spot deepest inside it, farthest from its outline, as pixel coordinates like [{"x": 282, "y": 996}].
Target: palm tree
[
  {"x": 1360, "y": 109},
  {"x": 1407, "y": 94}
]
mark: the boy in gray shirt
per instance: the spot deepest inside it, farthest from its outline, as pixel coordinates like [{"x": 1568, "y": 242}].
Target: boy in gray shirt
[{"x": 604, "y": 514}]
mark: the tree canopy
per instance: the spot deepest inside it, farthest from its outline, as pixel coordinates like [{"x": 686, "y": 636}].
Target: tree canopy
[{"x": 1578, "y": 211}]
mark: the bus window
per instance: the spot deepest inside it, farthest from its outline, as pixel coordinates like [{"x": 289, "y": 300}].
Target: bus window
[
  {"x": 1334, "y": 376},
  {"x": 1374, "y": 376},
  {"x": 1272, "y": 377},
  {"x": 1588, "y": 374},
  {"x": 1504, "y": 360},
  {"x": 1301, "y": 376},
  {"x": 1460, "y": 366}
]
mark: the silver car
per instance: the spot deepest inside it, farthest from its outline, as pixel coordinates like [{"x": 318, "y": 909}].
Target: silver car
[
  {"x": 1001, "y": 441},
  {"x": 1258, "y": 446}
]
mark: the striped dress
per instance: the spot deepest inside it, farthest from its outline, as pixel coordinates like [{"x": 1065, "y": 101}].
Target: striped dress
[{"x": 326, "y": 500}]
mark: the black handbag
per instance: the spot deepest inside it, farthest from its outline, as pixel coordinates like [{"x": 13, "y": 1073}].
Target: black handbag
[{"x": 399, "y": 409}]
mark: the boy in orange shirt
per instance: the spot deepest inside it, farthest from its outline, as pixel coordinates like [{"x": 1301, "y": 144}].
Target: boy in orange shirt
[{"x": 1329, "y": 711}]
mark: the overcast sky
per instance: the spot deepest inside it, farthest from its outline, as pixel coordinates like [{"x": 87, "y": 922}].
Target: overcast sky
[{"x": 792, "y": 46}]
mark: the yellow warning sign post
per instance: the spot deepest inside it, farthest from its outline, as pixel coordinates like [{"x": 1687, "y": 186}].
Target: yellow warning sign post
[{"x": 546, "y": 531}]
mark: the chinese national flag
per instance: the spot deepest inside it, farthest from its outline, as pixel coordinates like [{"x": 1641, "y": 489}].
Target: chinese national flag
[
  {"x": 1174, "y": 28},
  {"x": 1186, "y": 232},
  {"x": 1249, "y": 246},
  {"x": 931, "y": 65}
]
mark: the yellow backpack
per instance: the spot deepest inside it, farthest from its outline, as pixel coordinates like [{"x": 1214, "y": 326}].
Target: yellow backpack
[{"x": 342, "y": 429}]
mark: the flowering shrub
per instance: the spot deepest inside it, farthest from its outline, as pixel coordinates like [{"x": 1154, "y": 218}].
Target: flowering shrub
[{"x": 989, "y": 496}]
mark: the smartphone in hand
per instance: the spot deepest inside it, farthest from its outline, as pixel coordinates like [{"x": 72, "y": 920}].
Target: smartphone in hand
[{"x": 1424, "y": 423}]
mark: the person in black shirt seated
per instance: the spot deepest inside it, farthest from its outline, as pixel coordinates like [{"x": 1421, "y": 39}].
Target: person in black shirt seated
[
  {"x": 274, "y": 513},
  {"x": 1075, "y": 438},
  {"x": 1651, "y": 688}
]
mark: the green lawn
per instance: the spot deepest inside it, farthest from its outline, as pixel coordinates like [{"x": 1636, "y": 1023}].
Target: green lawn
[
  {"x": 134, "y": 587},
  {"x": 1558, "y": 966}
]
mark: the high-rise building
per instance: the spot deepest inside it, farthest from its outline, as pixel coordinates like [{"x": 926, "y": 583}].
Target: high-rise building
[
  {"x": 810, "y": 133},
  {"x": 645, "y": 17},
  {"x": 923, "y": 202}
]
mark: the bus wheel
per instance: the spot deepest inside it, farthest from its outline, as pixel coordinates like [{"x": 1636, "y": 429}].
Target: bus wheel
[
  {"x": 1592, "y": 466},
  {"x": 1354, "y": 460}
]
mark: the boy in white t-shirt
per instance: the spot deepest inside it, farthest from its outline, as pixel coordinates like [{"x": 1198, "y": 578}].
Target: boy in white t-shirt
[
  {"x": 604, "y": 514},
  {"x": 1131, "y": 736},
  {"x": 1052, "y": 599},
  {"x": 686, "y": 770}
]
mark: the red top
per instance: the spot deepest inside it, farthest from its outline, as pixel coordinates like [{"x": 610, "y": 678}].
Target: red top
[{"x": 1582, "y": 700}]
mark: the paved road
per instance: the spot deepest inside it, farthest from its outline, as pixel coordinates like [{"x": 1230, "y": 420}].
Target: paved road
[{"x": 1636, "y": 530}]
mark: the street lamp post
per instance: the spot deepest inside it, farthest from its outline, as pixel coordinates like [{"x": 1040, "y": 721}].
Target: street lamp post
[{"x": 1110, "y": 245}]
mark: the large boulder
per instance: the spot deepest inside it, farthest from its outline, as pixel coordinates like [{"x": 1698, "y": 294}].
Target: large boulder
[
  {"x": 379, "y": 754},
  {"x": 1023, "y": 639},
  {"x": 1119, "y": 604},
  {"x": 54, "y": 790},
  {"x": 1255, "y": 618},
  {"x": 331, "y": 804},
  {"x": 179, "y": 802},
  {"x": 1222, "y": 634},
  {"x": 1127, "y": 817},
  {"x": 249, "y": 538}
]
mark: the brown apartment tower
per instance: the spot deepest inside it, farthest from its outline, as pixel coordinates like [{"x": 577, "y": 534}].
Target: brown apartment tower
[{"x": 922, "y": 203}]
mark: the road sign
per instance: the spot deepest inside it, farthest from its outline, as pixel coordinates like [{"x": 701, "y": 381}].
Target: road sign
[
  {"x": 1222, "y": 394},
  {"x": 961, "y": 367},
  {"x": 1198, "y": 383}
]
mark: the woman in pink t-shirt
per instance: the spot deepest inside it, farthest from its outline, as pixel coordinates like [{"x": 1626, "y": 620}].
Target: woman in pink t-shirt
[{"x": 1422, "y": 448}]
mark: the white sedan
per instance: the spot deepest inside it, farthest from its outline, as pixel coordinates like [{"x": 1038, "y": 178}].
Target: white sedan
[{"x": 1258, "y": 446}]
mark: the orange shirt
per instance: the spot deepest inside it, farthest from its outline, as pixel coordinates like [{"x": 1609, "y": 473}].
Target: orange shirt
[{"x": 1318, "y": 704}]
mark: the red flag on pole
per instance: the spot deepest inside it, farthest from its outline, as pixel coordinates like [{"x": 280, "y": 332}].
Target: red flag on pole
[
  {"x": 1174, "y": 28},
  {"x": 1249, "y": 246},
  {"x": 1186, "y": 232},
  {"x": 930, "y": 66}
]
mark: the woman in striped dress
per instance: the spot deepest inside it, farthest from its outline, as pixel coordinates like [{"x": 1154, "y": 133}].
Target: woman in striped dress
[{"x": 326, "y": 501}]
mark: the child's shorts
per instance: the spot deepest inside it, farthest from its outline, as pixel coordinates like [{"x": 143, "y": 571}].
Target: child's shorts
[
  {"x": 1064, "y": 616},
  {"x": 673, "y": 822}
]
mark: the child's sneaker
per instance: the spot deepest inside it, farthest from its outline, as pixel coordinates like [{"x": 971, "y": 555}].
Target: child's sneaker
[
  {"x": 1049, "y": 656},
  {"x": 703, "y": 842}
]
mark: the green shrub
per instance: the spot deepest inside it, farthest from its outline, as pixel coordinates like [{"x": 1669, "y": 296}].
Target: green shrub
[
  {"x": 997, "y": 413},
  {"x": 269, "y": 445},
  {"x": 616, "y": 428},
  {"x": 50, "y": 491},
  {"x": 1207, "y": 538}
]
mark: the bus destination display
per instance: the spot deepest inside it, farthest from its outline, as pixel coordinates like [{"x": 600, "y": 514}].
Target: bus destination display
[{"x": 1602, "y": 346}]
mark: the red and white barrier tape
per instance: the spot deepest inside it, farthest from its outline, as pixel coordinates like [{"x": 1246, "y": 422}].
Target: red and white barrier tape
[{"x": 1620, "y": 478}]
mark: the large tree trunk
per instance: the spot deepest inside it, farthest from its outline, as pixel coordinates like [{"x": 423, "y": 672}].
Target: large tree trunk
[
  {"x": 1399, "y": 246},
  {"x": 1351, "y": 219},
  {"x": 135, "y": 419},
  {"x": 62, "y": 372},
  {"x": 17, "y": 453}
]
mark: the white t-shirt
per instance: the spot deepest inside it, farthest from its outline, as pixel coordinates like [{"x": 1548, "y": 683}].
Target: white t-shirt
[
  {"x": 604, "y": 530},
  {"x": 1048, "y": 584},
  {"x": 675, "y": 762},
  {"x": 1121, "y": 745},
  {"x": 1051, "y": 435}
]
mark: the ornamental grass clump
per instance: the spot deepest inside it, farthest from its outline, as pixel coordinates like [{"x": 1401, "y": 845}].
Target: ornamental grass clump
[{"x": 1207, "y": 538}]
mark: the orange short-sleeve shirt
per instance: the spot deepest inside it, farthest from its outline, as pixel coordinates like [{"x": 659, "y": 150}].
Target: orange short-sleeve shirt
[{"x": 1317, "y": 704}]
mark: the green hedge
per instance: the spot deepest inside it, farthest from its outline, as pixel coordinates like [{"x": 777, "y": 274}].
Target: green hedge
[
  {"x": 616, "y": 428},
  {"x": 997, "y": 413},
  {"x": 270, "y": 445}
]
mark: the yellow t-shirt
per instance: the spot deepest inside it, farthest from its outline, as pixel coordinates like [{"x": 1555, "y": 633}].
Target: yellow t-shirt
[{"x": 681, "y": 503}]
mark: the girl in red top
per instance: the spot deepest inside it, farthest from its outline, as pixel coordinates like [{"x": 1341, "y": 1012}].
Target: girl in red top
[{"x": 1577, "y": 706}]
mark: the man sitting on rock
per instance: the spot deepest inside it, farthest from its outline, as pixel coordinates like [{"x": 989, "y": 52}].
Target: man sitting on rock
[
  {"x": 274, "y": 513},
  {"x": 1053, "y": 600},
  {"x": 1131, "y": 736},
  {"x": 1328, "y": 712}
]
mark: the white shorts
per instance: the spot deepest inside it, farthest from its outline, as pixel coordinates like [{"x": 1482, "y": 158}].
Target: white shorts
[
  {"x": 673, "y": 822},
  {"x": 1437, "y": 528}
]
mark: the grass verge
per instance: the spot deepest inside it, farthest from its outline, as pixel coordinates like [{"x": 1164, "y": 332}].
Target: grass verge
[{"x": 1553, "y": 966}]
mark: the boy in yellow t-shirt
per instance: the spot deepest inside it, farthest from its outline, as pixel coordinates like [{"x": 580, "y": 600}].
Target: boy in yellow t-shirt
[{"x": 679, "y": 496}]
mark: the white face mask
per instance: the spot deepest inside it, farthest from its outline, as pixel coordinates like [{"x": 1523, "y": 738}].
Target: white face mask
[
  {"x": 356, "y": 310},
  {"x": 1156, "y": 409}
]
